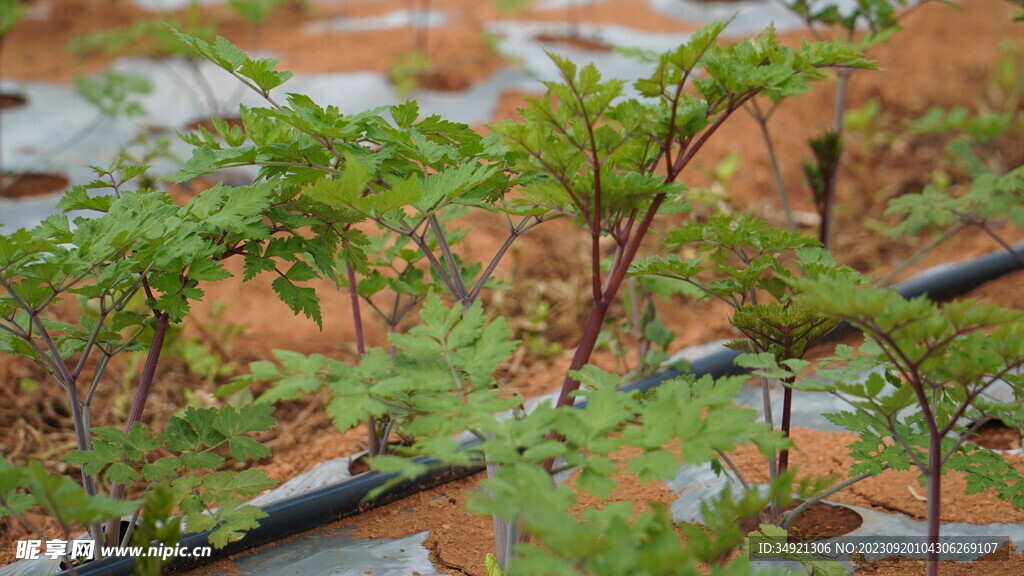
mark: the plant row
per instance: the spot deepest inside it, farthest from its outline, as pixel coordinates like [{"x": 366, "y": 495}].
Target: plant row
[{"x": 369, "y": 201}]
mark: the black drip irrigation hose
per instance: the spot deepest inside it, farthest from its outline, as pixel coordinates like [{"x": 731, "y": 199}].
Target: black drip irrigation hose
[
  {"x": 304, "y": 512},
  {"x": 939, "y": 283},
  {"x": 294, "y": 515}
]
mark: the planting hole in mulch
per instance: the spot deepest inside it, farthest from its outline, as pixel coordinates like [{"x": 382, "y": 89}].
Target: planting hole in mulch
[
  {"x": 358, "y": 463},
  {"x": 208, "y": 124},
  {"x": 575, "y": 42},
  {"x": 995, "y": 435},
  {"x": 820, "y": 521},
  {"x": 31, "y": 184},
  {"x": 358, "y": 466},
  {"x": 443, "y": 81},
  {"x": 11, "y": 101}
]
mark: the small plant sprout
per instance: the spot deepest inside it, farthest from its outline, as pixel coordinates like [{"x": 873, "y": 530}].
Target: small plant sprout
[
  {"x": 750, "y": 262},
  {"x": 152, "y": 37},
  {"x": 990, "y": 200},
  {"x": 978, "y": 139},
  {"x": 930, "y": 370},
  {"x": 881, "y": 17},
  {"x": 821, "y": 174}
]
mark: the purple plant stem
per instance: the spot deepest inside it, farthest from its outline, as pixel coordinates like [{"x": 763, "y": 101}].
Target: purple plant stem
[
  {"x": 604, "y": 297},
  {"x": 592, "y": 329},
  {"x": 374, "y": 443},
  {"x": 787, "y": 408},
  {"x": 163, "y": 322},
  {"x": 934, "y": 477}
]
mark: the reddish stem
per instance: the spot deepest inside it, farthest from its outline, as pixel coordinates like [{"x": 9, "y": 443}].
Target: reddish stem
[
  {"x": 934, "y": 478},
  {"x": 163, "y": 322},
  {"x": 374, "y": 445},
  {"x": 117, "y": 491},
  {"x": 592, "y": 329},
  {"x": 357, "y": 317},
  {"x": 787, "y": 408}
]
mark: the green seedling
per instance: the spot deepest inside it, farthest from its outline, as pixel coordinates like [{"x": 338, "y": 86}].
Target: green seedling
[
  {"x": 977, "y": 138},
  {"x": 745, "y": 263},
  {"x": 599, "y": 157},
  {"x": 405, "y": 175},
  {"x": 928, "y": 369},
  {"x": 136, "y": 246},
  {"x": 881, "y": 17},
  {"x": 989, "y": 200}
]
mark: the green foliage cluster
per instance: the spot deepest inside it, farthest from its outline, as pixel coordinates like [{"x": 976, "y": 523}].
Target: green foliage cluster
[
  {"x": 438, "y": 381},
  {"x": 880, "y": 16},
  {"x": 11, "y": 12},
  {"x": 212, "y": 501},
  {"x": 402, "y": 175},
  {"x": 23, "y": 487},
  {"x": 694, "y": 415},
  {"x": 583, "y": 152},
  {"x": 386, "y": 169},
  {"x": 442, "y": 384},
  {"x": 990, "y": 197},
  {"x": 748, "y": 264},
  {"x": 976, "y": 141},
  {"x": 369, "y": 200},
  {"x": 977, "y": 144},
  {"x": 134, "y": 263},
  {"x": 928, "y": 369},
  {"x": 976, "y": 138},
  {"x": 742, "y": 262}
]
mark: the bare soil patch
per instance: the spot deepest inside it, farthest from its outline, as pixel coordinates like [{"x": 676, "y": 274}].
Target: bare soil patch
[{"x": 31, "y": 184}]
